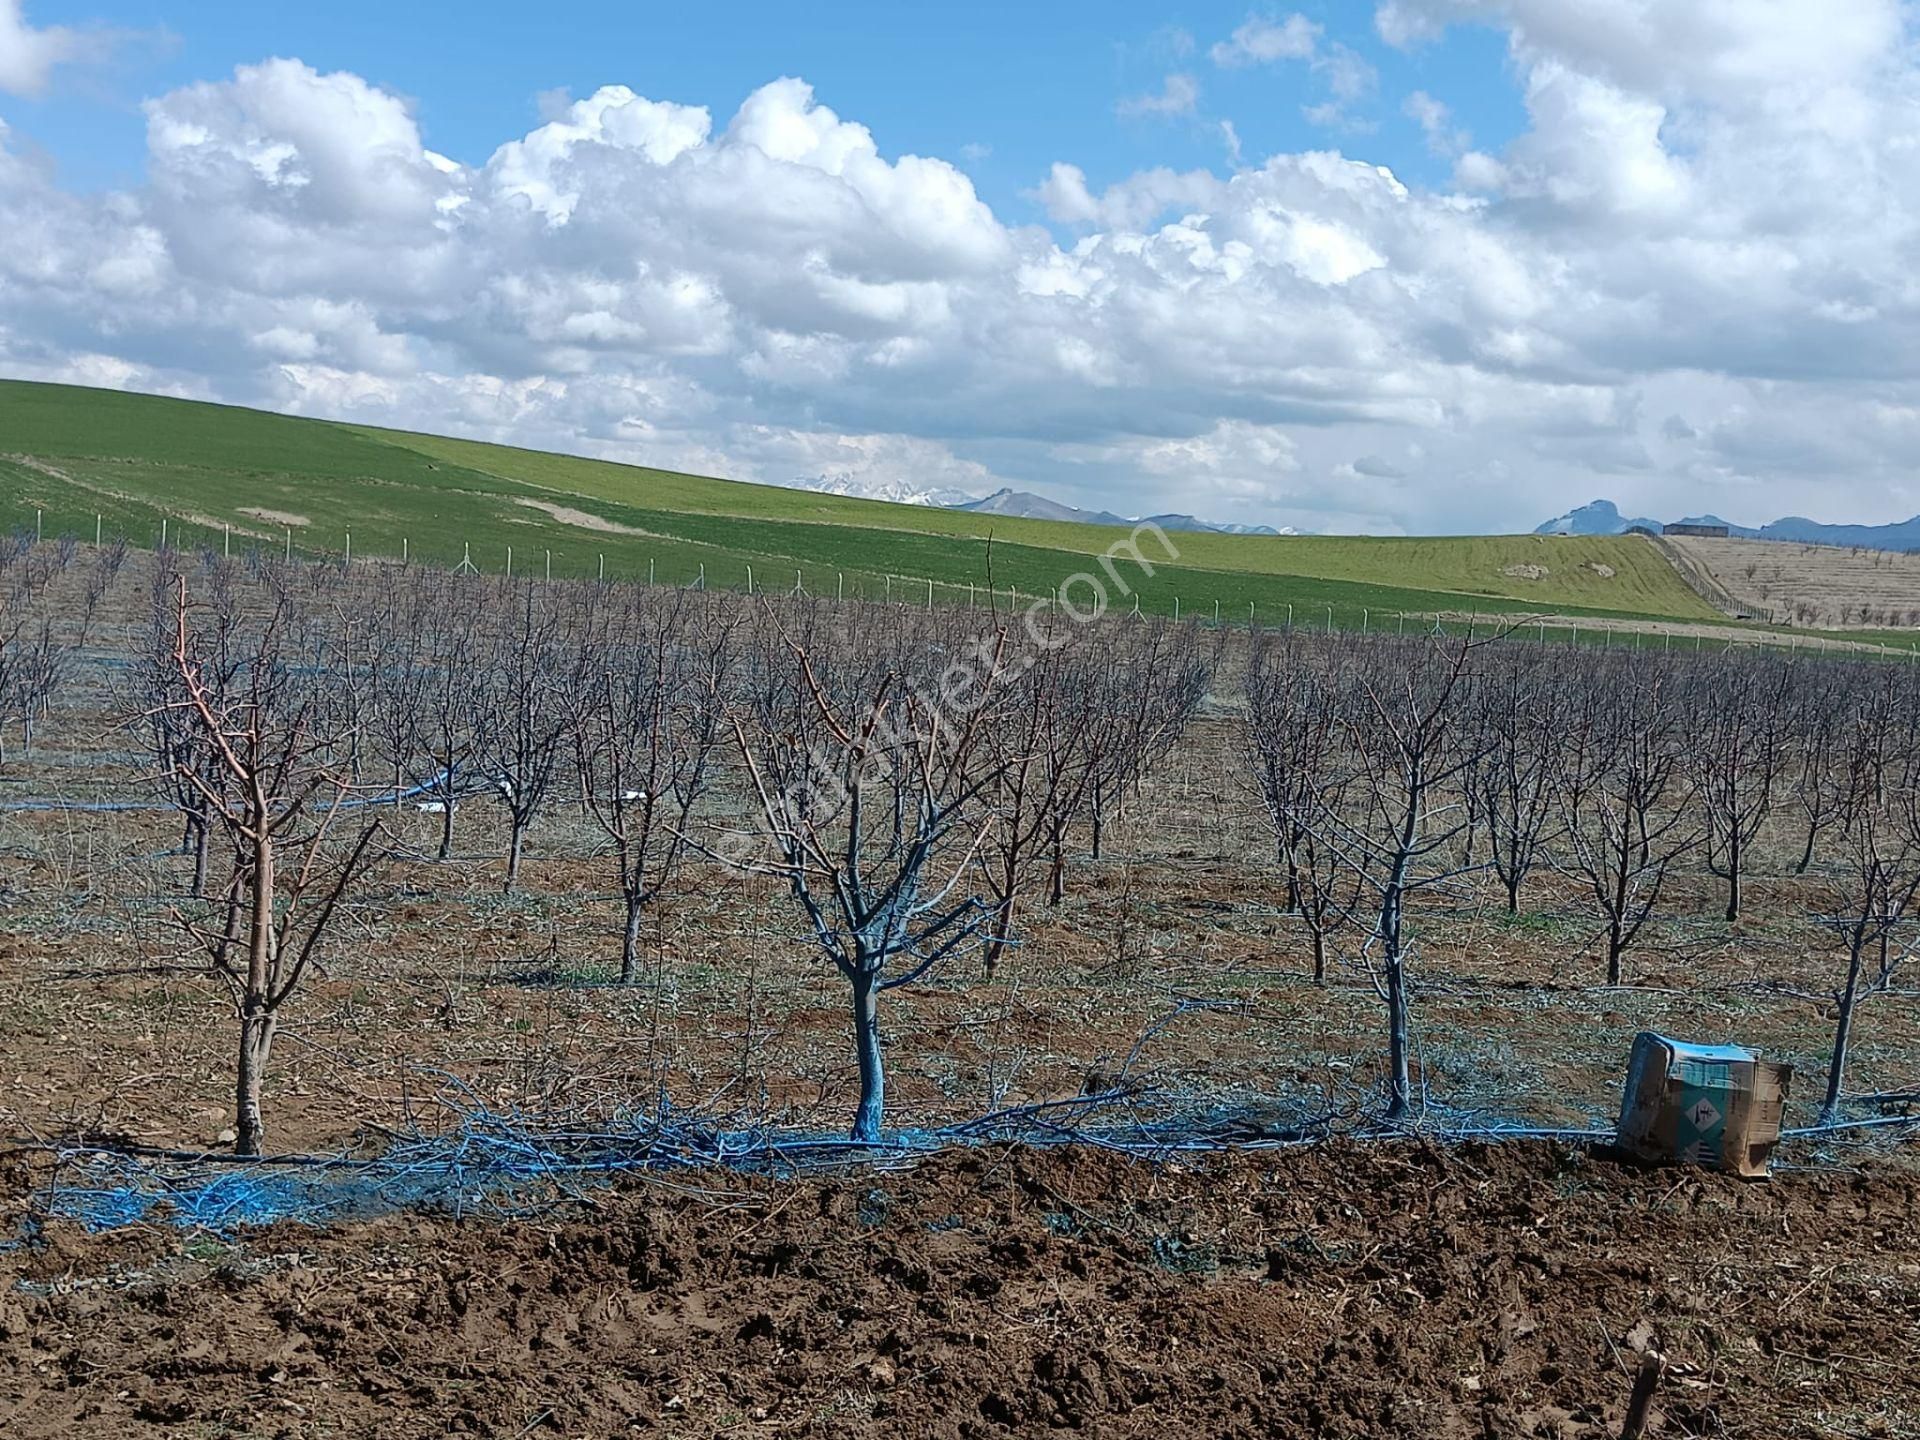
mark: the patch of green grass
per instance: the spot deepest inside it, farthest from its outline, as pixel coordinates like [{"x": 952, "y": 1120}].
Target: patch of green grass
[{"x": 220, "y": 476}]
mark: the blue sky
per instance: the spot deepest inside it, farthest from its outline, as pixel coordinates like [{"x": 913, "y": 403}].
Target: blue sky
[
  {"x": 1382, "y": 266},
  {"x": 1028, "y": 85}
]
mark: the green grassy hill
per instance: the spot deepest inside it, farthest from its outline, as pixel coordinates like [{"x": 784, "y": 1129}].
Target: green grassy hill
[{"x": 128, "y": 463}]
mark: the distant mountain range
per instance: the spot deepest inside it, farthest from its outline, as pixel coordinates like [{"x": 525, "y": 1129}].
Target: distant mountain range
[
  {"x": 1021, "y": 504},
  {"x": 900, "y": 492},
  {"x": 1603, "y": 517}
]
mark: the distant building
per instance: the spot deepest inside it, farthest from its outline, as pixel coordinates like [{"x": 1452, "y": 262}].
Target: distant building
[
  {"x": 1640, "y": 530},
  {"x": 1708, "y": 532}
]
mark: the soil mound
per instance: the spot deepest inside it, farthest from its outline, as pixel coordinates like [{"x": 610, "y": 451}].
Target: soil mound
[{"x": 1333, "y": 1291}]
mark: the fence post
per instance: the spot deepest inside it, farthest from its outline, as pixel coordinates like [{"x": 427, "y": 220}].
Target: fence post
[
  {"x": 405, "y": 550},
  {"x": 226, "y": 539},
  {"x": 749, "y": 580},
  {"x": 349, "y": 560},
  {"x": 96, "y": 531},
  {"x": 289, "y": 545}
]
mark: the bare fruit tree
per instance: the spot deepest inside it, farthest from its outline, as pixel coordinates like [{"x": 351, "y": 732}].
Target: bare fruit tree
[
  {"x": 1622, "y": 793},
  {"x": 1518, "y": 719},
  {"x": 1406, "y": 748},
  {"x": 869, "y": 769},
  {"x": 1293, "y": 731},
  {"x": 647, "y": 694},
  {"x": 1879, "y": 844},
  {"x": 1736, "y": 750},
  {"x": 275, "y": 787},
  {"x": 521, "y": 684}
]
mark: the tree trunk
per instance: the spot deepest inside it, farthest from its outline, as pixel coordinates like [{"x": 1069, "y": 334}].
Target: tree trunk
[
  {"x": 1399, "y": 1078},
  {"x": 866, "y": 1039},
  {"x": 1319, "y": 955},
  {"x": 256, "y": 1045},
  {"x": 1842, "y": 1037},
  {"x": 1806, "y": 855},
  {"x": 446, "y": 826},
  {"x": 1002, "y": 933},
  {"x": 515, "y": 844},
  {"x": 200, "y": 832},
  {"x": 256, "y": 1013},
  {"x": 1512, "y": 882},
  {"x": 1733, "y": 882},
  {"x": 630, "y": 941}
]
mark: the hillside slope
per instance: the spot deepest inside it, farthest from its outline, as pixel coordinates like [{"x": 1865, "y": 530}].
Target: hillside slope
[
  {"x": 1829, "y": 586},
  {"x": 136, "y": 460}
]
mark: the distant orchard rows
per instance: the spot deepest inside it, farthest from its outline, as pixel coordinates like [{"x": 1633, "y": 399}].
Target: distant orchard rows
[{"x": 915, "y": 779}]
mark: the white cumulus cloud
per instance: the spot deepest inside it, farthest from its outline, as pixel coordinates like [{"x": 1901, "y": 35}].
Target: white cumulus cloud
[{"x": 1708, "y": 218}]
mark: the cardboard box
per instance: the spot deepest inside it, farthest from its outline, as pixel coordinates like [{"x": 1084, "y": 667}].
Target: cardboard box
[{"x": 1715, "y": 1106}]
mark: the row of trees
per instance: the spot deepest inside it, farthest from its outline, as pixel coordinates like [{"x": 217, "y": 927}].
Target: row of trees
[
  {"x": 916, "y": 780},
  {"x": 1395, "y": 768},
  {"x": 35, "y": 655},
  {"x": 910, "y": 776}
]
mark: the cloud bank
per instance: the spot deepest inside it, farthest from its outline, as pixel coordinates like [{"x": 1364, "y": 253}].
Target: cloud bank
[{"x": 1688, "y": 284}]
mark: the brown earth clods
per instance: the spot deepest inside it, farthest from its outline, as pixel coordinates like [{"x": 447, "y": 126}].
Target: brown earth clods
[{"x": 1391, "y": 1290}]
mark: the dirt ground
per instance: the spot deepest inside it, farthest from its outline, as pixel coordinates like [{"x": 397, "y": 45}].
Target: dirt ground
[{"x": 1385, "y": 1291}]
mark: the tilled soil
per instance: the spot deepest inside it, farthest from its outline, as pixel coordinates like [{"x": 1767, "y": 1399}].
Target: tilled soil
[{"x": 1389, "y": 1290}]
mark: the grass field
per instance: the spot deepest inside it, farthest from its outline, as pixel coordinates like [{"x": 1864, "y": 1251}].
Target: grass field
[{"x": 79, "y": 459}]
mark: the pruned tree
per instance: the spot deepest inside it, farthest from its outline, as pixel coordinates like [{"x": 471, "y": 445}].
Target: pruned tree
[
  {"x": 449, "y": 706},
  {"x": 1820, "y": 789},
  {"x": 1622, "y": 795},
  {"x": 1042, "y": 735},
  {"x": 869, "y": 774},
  {"x": 275, "y": 790},
  {"x": 523, "y": 659},
  {"x": 1405, "y": 747},
  {"x": 1736, "y": 753},
  {"x": 1293, "y": 730},
  {"x": 646, "y": 699},
  {"x": 1152, "y": 681},
  {"x": 184, "y": 761},
  {"x": 1879, "y": 845},
  {"x": 1508, "y": 788}
]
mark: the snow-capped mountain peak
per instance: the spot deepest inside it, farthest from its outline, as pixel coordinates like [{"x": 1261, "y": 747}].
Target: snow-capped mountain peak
[{"x": 896, "y": 491}]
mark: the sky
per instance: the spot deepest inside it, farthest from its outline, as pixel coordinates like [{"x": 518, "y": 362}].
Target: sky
[{"x": 1418, "y": 266}]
